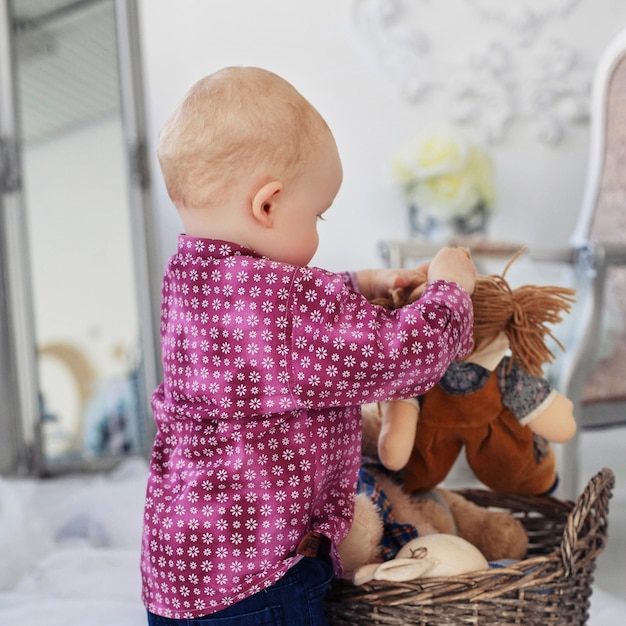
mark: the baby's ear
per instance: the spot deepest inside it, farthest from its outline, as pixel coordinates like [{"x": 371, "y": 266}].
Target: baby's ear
[{"x": 264, "y": 201}]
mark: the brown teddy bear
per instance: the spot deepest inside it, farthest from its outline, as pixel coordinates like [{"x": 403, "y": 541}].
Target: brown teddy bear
[{"x": 375, "y": 537}]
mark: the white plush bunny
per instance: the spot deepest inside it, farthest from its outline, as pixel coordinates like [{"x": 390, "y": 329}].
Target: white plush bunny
[{"x": 426, "y": 557}]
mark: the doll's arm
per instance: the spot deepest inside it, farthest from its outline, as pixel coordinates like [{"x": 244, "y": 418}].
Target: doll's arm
[
  {"x": 556, "y": 422},
  {"x": 397, "y": 432},
  {"x": 538, "y": 405}
]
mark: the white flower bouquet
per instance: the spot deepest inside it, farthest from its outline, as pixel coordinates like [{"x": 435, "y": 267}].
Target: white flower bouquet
[{"x": 445, "y": 178}]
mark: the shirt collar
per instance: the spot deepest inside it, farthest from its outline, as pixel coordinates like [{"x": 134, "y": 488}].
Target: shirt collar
[{"x": 216, "y": 248}]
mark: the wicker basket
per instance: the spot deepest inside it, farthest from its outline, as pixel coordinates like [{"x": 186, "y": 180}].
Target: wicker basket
[{"x": 551, "y": 586}]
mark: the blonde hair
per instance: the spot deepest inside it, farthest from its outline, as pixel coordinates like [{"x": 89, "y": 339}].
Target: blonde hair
[
  {"x": 231, "y": 125},
  {"x": 524, "y": 314}
]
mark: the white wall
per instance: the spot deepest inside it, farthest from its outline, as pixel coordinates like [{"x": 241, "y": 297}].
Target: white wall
[{"x": 535, "y": 60}]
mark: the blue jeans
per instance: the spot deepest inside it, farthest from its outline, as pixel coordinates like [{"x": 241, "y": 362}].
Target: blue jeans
[{"x": 297, "y": 599}]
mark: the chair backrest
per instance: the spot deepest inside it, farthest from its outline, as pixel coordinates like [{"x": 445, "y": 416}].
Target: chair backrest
[{"x": 602, "y": 217}]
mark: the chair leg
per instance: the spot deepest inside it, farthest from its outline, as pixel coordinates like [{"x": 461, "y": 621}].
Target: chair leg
[{"x": 568, "y": 465}]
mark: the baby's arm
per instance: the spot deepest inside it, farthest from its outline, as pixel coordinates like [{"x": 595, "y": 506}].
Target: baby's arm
[
  {"x": 453, "y": 264},
  {"x": 378, "y": 283},
  {"x": 556, "y": 423},
  {"x": 397, "y": 432}
]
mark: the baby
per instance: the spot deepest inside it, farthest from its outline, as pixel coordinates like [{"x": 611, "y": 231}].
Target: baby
[{"x": 266, "y": 360}]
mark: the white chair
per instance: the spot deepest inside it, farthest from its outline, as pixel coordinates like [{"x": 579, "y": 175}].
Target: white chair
[{"x": 596, "y": 383}]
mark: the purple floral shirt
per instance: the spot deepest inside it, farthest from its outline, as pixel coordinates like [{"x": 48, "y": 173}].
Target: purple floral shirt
[{"x": 258, "y": 418}]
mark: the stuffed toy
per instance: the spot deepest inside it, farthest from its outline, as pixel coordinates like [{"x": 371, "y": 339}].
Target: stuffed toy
[
  {"x": 426, "y": 557},
  {"x": 453, "y": 534},
  {"x": 495, "y": 403}
]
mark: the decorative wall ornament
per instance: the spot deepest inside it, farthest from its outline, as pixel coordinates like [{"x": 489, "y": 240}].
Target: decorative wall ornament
[
  {"x": 403, "y": 51},
  {"x": 558, "y": 91},
  {"x": 481, "y": 92},
  {"x": 512, "y": 77},
  {"x": 523, "y": 18}
]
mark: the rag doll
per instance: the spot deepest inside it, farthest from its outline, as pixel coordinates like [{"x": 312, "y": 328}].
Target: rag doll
[{"x": 495, "y": 403}]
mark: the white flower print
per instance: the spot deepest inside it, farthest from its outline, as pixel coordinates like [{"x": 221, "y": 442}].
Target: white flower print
[{"x": 233, "y": 481}]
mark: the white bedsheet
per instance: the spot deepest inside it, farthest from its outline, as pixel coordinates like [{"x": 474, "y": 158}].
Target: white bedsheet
[{"x": 69, "y": 552}]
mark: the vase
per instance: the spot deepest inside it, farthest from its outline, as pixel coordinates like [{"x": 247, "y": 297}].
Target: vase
[{"x": 425, "y": 225}]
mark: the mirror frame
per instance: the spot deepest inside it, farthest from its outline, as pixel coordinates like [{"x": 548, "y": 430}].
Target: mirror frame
[{"x": 21, "y": 444}]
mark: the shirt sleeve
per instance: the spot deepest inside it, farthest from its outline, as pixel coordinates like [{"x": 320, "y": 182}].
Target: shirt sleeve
[
  {"x": 346, "y": 351},
  {"x": 349, "y": 279}
]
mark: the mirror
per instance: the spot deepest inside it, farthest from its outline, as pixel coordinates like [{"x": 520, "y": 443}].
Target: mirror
[{"x": 77, "y": 200}]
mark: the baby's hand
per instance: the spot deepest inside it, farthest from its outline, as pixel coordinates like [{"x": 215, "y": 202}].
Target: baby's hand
[
  {"x": 453, "y": 264},
  {"x": 378, "y": 283}
]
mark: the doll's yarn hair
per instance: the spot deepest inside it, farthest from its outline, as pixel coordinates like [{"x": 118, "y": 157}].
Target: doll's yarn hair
[{"x": 525, "y": 314}]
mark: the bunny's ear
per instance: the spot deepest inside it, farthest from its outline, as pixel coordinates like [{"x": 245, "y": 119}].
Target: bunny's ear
[
  {"x": 399, "y": 570},
  {"x": 365, "y": 574}
]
